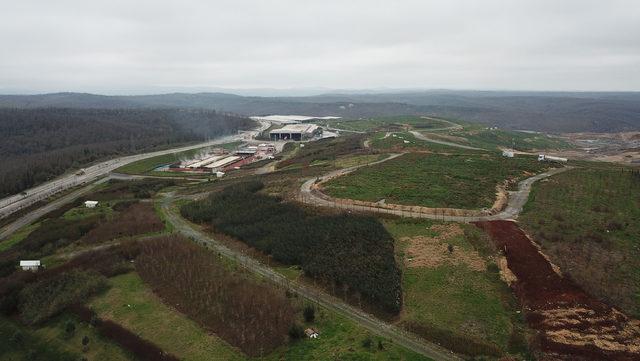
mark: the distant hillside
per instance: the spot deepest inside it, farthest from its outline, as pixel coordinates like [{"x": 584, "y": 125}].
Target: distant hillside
[
  {"x": 40, "y": 144},
  {"x": 539, "y": 111}
]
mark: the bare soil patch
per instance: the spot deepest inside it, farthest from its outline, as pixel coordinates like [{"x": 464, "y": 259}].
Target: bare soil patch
[
  {"x": 431, "y": 252},
  {"x": 572, "y": 325}
]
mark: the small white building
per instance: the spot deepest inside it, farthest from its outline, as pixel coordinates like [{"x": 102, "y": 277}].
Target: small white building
[
  {"x": 30, "y": 265},
  {"x": 507, "y": 153},
  {"x": 90, "y": 204},
  {"x": 219, "y": 174}
]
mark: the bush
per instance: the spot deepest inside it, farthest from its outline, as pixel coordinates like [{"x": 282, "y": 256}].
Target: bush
[
  {"x": 296, "y": 331},
  {"x": 309, "y": 313},
  {"x": 43, "y": 299},
  {"x": 366, "y": 343},
  {"x": 69, "y": 328}
]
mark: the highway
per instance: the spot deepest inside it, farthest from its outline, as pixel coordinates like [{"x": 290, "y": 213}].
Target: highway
[
  {"x": 16, "y": 202},
  {"x": 369, "y": 322}
]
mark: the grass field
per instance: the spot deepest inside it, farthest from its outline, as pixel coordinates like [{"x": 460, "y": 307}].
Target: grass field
[
  {"x": 482, "y": 137},
  {"x": 587, "y": 221},
  {"x": 405, "y": 141},
  {"x": 145, "y": 166},
  {"x": 132, "y": 304},
  {"x": 434, "y": 180},
  {"x": 397, "y": 122},
  {"x": 449, "y": 296}
]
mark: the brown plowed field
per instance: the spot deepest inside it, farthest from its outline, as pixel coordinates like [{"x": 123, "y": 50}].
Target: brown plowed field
[{"x": 571, "y": 324}]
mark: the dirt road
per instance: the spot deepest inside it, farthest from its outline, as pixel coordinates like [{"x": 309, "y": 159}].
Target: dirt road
[{"x": 374, "y": 325}]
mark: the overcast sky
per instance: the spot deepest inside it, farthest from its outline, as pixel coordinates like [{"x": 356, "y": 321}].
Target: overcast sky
[{"x": 136, "y": 46}]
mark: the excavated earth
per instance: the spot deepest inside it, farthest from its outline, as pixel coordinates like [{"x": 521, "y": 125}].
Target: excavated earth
[{"x": 571, "y": 324}]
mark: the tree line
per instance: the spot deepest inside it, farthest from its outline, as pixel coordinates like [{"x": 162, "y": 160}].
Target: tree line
[
  {"x": 249, "y": 315},
  {"x": 40, "y": 144},
  {"x": 350, "y": 251}
]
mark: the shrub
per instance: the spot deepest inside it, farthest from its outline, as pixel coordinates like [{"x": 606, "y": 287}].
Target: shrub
[
  {"x": 139, "y": 218},
  {"x": 309, "y": 313},
  {"x": 366, "y": 343},
  {"x": 296, "y": 331},
  {"x": 69, "y": 328}
]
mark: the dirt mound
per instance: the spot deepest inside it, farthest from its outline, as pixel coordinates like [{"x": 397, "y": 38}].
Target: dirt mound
[
  {"x": 572, "y": 325},
  {"x": 434, "y": 251}
]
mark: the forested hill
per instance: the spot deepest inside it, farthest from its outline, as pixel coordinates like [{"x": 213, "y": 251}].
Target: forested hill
[
  {"x": 39, "y": 144},
  {"x": 539, "y": 111}
]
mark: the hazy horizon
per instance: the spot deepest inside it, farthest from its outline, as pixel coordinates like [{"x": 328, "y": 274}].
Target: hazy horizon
[{"x": 286, "y": 47}]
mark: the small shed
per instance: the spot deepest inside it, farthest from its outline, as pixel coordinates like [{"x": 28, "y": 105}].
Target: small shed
[
  {"x": 30, "y": 265},
  {"x": 507, "y": 153},
  {"x": 219, "y": 174},
  {"x": 311, "y": 333},
  {"x": 90, "y": 204}
]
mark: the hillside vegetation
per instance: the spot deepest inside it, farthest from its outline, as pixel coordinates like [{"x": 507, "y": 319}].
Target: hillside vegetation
[
  {"x": 351, "y": 251},
  {"x": 587, "y": 222},
  {"x": 434, "y": 180},
  {"x": 188, "y": 276},
  {"x": 40, "y": 144}
]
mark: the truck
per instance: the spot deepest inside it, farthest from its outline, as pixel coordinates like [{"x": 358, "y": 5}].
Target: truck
[{"x": 550, "y": 158}]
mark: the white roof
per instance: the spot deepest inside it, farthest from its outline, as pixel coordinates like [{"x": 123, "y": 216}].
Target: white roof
[
  {"x": 222, "y": 162},
  {"x": 91, "y": 202},
  {"x": 296, "y": 128},
  {"x": 30, "y": 263}
]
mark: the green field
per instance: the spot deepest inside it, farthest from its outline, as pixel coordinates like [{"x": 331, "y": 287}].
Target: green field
[
  {"x": 146, "y": 166},
  {"x": 453, "y": 300},
  {"x": 132, "y": 304},
  {"x": 483, "y": 137},
  {"x": 405, "y": 142},
  {"x": 587, "y": 221},
  {"x": 383, "y": 123},
  {"x": 434, "y": 180}
]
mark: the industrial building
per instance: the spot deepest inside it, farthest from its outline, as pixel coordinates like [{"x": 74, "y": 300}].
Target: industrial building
[{"x": 295, "y": 132}]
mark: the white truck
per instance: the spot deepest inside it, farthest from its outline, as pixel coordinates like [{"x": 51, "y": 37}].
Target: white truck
[{"x": 550, "y": 158}]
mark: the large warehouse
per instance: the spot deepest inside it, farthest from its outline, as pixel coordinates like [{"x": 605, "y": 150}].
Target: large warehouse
[{"x": 295, "y": 132}]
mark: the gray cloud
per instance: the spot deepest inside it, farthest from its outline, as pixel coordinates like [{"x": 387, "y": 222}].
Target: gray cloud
[{"x": 145, "y": 46}]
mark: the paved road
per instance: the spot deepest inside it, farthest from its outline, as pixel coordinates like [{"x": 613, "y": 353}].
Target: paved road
[
  {"x": 374, "y": 325},
  {"x": 34, "y": 215},
  {"x": 16, "y": 202},
  {"x": 516, "y": 202}
]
